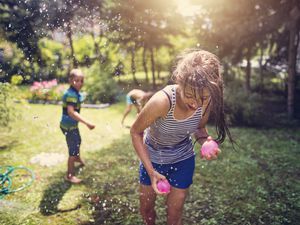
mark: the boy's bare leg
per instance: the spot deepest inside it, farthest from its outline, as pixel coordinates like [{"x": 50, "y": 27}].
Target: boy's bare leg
[
  {"x": 71, "y": 171},
  {"x": 126, "y": 112},
  {"x": 78, "y": 159}
]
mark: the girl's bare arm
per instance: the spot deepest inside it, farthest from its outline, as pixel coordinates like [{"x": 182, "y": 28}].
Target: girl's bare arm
[{"x": 155, "y": 108}]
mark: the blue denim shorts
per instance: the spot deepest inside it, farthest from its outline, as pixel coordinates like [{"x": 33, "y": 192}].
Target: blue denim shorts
[
  {"x": 179, "y": 175},
  {"x": 73, "y": 140}
]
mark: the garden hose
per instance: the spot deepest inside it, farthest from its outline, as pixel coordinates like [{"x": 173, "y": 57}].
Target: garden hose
[{"x": 6, "y": 179}]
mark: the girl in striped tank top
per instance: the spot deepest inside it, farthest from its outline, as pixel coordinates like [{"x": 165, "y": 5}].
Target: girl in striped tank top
[{"x": 169, "y": 118}]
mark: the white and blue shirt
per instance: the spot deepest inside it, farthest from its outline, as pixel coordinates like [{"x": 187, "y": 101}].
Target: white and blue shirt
[{"x": 168, "y": 140}]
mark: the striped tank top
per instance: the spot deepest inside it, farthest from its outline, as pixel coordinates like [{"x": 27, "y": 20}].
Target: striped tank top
[{"x": 168, "y": 140}]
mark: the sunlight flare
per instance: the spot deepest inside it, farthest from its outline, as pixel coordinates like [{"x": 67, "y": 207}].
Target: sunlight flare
[{"x": 185, "y": 8}]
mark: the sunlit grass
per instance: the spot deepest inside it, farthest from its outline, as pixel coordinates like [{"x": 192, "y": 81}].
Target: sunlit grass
[
  {"x": 38, "y": 131},
  {"x": 257, "y": 182}
]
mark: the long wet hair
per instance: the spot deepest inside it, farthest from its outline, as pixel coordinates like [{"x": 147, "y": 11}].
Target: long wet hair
[{"x": 199, "y": 69}]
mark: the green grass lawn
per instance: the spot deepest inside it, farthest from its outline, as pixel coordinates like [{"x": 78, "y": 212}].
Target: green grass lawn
[{"x": 256, "y": 184}]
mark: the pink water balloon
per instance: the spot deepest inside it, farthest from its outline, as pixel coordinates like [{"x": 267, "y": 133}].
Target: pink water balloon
[
  {"x": 209, "y": 148},
  {"x": 163, "y": 186}
]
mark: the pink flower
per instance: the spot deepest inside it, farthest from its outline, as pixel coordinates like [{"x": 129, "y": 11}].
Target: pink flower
[{"x": 53, "y": 82}]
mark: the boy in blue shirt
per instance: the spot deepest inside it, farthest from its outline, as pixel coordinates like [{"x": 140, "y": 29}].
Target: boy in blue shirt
[{"x": 72, "y": 100}]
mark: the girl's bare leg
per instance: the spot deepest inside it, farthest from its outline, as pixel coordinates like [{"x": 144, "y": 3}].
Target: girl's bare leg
[
  {"x": 175, "y": 203},
  {"x": 147, "y": 204}
]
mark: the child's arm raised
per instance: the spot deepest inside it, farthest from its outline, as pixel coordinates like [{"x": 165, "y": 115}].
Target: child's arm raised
[
  {"x": 76, "y": 116},
  {"x": 157, "y": 107}
]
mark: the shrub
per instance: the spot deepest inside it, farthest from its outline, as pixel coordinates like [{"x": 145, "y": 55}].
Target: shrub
[
  {"x": 46, "y": 91},
  {"x": 16, "y": 79},
  {"x": 243, "y": 108},
  {"x": 99, "y": 84},
  {"x": 8, "y": 112}
]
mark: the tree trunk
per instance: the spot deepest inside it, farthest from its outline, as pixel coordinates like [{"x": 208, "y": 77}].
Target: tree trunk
[
  {"x": 96, "y": 45},
  {"x": 291, "y": 70},
  {"x": 97, "y": 52},
  {"x": 69, "y": 35},
  {"x": 292, "y": 56},
  {"x": 261, "y": 71},
  {"x": 133, "y": 68},
  {"x": 152, "y": 68},
  {"x": 145, "y": 64},
  {"x": 33, "y": 75},
  {"x": 226, "y": 71},
  {"x": 248, "y": 72},
  {"x": 158, "y": 66}
]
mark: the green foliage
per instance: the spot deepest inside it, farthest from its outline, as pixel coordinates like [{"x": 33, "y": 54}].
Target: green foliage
[
  {"x": 54, "y": 56},
  {"x": 163, "y": 59},
  {"x": 100, "y": 85},
  {"x": 7, "y": 109},
  {"x": 50, "y": 49},
  {"x": 24, "y": 32},
  {"x": 84, "y": 48},
  {"x": 11, "y": 61},
  {"x": 243, "y": 108},
  {"x": 16, "y": 79}
]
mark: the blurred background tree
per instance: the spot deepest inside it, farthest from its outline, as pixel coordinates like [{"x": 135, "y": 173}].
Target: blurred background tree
[{"x": 134, "y": 43}]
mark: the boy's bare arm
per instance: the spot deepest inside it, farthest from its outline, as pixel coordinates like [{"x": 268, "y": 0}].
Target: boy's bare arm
[{"x": 76, "y": 116}]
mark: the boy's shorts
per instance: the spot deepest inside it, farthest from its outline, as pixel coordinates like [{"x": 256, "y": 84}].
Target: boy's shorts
[
  {"x": 73, "y": 140},
  {"x": 179, "y": 175}
]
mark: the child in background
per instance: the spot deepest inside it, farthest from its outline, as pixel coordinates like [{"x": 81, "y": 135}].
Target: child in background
[
  {"x": 138, "y": 98},
  {"x": 72, "y": 100},
  {"x": 169, "y": 118}
]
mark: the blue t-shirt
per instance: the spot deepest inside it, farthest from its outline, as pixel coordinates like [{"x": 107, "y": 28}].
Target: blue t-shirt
[{"x": 74, "y": 98}]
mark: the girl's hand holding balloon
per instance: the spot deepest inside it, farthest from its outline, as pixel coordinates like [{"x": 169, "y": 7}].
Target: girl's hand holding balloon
[
  {"x": 209, "y": 149},
  {"x": 160, "y": 183},
  {"x": 163, "y": 186}
]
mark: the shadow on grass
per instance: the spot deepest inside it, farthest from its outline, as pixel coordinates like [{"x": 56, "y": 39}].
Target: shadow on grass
[
  {"x": 113, "y": 184},
  {"x": 53, "y": 195},
  {"x": 255, "y": 186},
  {"x": 8, "y": 145},
  {"x": 111, "y": 180}
]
